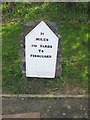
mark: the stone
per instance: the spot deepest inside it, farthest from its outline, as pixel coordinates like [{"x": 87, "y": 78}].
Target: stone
[
  {"x": 29, "y": 27},
  {"x": 41, "y": 46},
  {"x": 64, "y": 114}
]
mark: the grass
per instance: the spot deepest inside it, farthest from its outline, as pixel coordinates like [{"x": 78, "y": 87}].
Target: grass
[{"x": 74, "y": 46}]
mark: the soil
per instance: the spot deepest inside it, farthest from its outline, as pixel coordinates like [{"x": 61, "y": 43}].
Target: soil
[{"x": 48, "y": 107}]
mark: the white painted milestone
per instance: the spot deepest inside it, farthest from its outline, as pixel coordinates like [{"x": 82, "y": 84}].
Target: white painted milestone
[{"x": 41, "y": 46}]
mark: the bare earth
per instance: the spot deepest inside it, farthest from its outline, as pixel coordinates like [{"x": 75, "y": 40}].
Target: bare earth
[{"x": 48, "y": 107}]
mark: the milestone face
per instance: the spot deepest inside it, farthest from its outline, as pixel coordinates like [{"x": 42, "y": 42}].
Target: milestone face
[{"x": 41, "y": 52}]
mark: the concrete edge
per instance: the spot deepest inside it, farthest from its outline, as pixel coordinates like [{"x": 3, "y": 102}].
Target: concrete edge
[
  {"x": 42, "y": 96},
  {"x": 23, "y": 115}
]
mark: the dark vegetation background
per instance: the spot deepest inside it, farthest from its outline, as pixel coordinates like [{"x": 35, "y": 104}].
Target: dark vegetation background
[{"x": 73, "y": 23}]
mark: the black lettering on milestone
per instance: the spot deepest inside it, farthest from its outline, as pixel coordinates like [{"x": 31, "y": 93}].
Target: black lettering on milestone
[
  {"x": 34, "y": 45},
  {"x": 45, "y": 45},
  {"x": 44, "y": 39},
  {"x": 40, "y": 45},
  {"x": 37, "y": 38},
  {"x": 41, "y": 33},
  {"x": 39, "y": 50},
  {"x": 47, "y": 39},
  {"x": 42, "y": 50},
  {"x": 31, "y": 55},
  {"x": 46, "y": 56},
  {"x": 41, "y": 39},
  {"x": 51, "y": 46}
]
